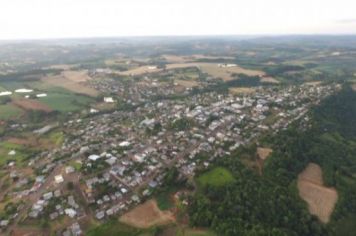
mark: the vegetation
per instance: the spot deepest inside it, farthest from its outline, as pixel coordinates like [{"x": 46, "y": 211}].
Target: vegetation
[
  {"x": 216, "y": 177},
  {"x": 269, "y": 204}
]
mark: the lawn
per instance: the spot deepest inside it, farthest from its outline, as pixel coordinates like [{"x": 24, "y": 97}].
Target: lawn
[
  {"x": 216, "y": 177},
  {"x": 9, "y": 111}
]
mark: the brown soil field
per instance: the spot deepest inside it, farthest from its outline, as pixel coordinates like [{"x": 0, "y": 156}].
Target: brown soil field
[
  {"x": 269, "y": 80},
  {"x": 21, "y": 141},
  {"x": 73, "y": 81},
  {"x": 27, "y": 231},
  {"x": 241, "y": 90},
  {"x": 147, "y": 215},
  {"x": 76, "y": 76},
  {"x": 187, "y": 83},
  {"x": 263, "y": 153},
  {"x": 313, "y": 83},
  {"x": 321, "y": 200},
  {"x": 29, "y": 104},
  {"x": 213, "y": 69}
]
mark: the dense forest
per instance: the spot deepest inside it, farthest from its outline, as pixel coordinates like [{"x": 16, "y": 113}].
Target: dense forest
[{"x": 269, "y": 204}]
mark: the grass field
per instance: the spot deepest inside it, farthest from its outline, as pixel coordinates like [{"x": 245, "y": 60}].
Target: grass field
[
  {"x": 56, "y": 137},
  {"x": 194, "y": 232},
  {"x": 217, "y": 177},
  {"x": 65, "y": 102},
  {"x": 5, "y": 148},
  {"x": 114, "y": 228},
  {"x": 9, "y": 111}
]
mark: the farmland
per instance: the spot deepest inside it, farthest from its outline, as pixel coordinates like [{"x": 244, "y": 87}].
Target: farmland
[
  {"x": 158, "y": 138},
  {"x": 73, "y": 81},
  {"x": 321, "y": 200},
  {"x": 213, "y": 69}
]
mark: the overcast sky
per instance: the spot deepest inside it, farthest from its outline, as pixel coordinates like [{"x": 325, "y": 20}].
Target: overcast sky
[{"x": 27, "y": 19}]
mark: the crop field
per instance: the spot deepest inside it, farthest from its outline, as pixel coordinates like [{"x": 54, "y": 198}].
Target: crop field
[
  {"x": 216, "y": 177},
  {"x": 147, "y": 215},
  {"x": 29, "y": 104},
  {"x": 212, "y": 69},
  {"x": 321, "y": 200},
  {"x": 73, "y": 81}
]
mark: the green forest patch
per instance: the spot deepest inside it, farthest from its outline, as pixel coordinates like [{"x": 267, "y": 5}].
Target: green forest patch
[{"x": 216, "y": 177}]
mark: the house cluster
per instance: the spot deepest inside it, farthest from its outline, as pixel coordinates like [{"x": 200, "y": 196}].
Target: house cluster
[{"x": 123, "y": 156}]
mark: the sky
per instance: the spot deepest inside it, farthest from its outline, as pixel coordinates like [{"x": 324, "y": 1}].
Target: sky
[{"x": 42, "y": 19}]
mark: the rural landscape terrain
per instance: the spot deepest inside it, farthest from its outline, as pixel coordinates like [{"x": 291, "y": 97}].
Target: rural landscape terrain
[{"x": 181, "y": 136}]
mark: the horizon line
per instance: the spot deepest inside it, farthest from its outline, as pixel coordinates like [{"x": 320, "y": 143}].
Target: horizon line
[{"x": 174, "y": 36}]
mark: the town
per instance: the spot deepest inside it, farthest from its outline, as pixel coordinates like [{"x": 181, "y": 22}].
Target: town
[{"x": 111, "y": 161}]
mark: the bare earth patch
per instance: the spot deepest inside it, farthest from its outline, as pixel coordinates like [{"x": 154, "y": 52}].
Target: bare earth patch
[
  {"x": 313, "y": 83},
  {"x": 29, "y": 104},
  {"x": 187, "y": 83},
  {"x": 321, "y": 200},
  {"x": 263, "y": 153},
  {"x": 241, "y": 90},
  {"x": 269, "y": 80},
  {"x": 147, "y": 215}
]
